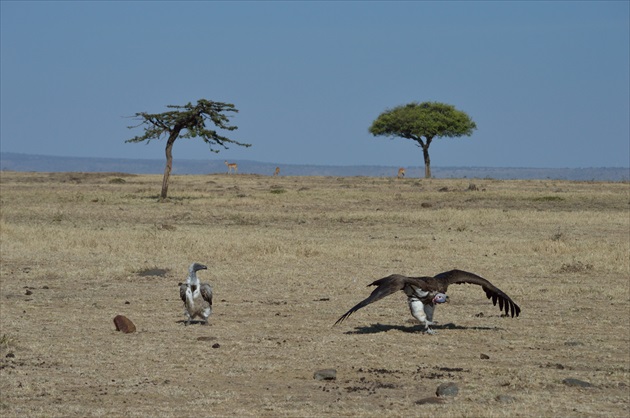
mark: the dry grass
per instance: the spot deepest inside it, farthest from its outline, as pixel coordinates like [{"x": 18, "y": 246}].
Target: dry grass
[{"x": 287, "y": 257}]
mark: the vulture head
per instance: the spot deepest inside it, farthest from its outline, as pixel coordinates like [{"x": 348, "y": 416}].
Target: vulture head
[
  {"x": 440, "y": 298},
  {"x": 194, "y": 267}
]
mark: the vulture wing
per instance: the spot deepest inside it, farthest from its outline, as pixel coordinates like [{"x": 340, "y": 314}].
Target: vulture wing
[
  {"x": 182, "y": 291},
  {"x": 206, "y": 292},
  {"x": 442, "y": 281},
  {"x": 384, "y": 287}
]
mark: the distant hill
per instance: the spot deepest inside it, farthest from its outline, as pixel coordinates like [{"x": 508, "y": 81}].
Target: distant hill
[{"x": 41, "y": 163}]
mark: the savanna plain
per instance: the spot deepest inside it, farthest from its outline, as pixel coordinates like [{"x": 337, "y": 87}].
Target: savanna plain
[{"x": 287, "y": 256}]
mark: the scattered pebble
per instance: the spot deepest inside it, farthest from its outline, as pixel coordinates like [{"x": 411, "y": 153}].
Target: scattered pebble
[
  {"x": 570, "y": 381},
  {"x": 447, "y": 389},
  {"x": 555, "y": 366},
  {"x": 124, "y": 324},
  {"x": 484, "y": 356},
  {"x": 325, "y": 374},
  {"x": 505, "y": 398}
]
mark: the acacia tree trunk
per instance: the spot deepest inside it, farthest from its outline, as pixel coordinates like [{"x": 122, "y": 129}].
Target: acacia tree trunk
[
  {"x": 427, "y": 159},
  {"x": 169, "y": 163}
]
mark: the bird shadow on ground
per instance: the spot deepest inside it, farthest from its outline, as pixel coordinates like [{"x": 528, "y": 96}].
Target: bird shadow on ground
[
  {"x": 376, "y": 328},
  {"x": 159, "y": 272},
  {"x": 193, "y": 322}
]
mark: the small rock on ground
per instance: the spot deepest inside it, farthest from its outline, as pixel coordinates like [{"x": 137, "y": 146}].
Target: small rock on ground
[
  {"x": 447, "y": 389},
  {"x": 325, "y": 374},
  {"x": 570, "y": 381},
  {"x": 124, "y": 324}
]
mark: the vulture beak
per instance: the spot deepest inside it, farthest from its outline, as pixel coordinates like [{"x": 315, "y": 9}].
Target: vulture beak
[{"x": 198, "y": 266}]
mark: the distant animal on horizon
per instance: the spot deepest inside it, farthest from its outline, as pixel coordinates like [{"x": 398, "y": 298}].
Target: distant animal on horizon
[
  {"x": 277, "y": 172},
  {"x": 401, "y": 173},
  {"x": 232, "y": 167},
  {"x": 197, "y": 296},
  {"x": 423, "y": 293}
]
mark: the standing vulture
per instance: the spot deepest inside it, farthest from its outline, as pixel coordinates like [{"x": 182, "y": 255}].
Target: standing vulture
[
  {"x": 424, "y": 292},
  {"x": 197, "y": 296}
]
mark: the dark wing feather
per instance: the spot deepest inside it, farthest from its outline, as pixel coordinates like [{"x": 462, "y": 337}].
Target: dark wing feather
[
  {"x": 492, "y": 292},
  {"x": 206, "y": 292},
  {"x": 182, "y": 291},
  {"x": 384, "y": 287}
]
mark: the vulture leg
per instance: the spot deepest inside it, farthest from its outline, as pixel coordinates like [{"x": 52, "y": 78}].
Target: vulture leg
[
  {"x": 205, "y": 314},
  {"x": 188, "y": 318},
  {"x": 428, "y": 310},
  {"x": 417, "y": 309},
  {"x": 187, "y": 305}
]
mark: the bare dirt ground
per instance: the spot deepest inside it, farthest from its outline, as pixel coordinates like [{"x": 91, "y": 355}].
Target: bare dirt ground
[{"x": 287, "y": 256}]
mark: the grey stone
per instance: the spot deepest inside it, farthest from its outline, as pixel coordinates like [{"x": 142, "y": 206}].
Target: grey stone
[
  {"x": 570, "y": 381},
  {"x": 325, "y": 374},
  {"x": 447, "y": 389}
]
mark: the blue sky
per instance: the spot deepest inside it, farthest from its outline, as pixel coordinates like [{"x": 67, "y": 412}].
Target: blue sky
[{"x": 546, "y": 82}]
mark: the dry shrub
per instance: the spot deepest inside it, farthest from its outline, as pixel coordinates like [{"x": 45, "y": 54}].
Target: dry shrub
[{"x": 575, "y": 267}]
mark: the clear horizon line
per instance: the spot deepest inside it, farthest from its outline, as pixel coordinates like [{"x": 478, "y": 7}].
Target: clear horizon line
[{"x": 315, "y": 164}]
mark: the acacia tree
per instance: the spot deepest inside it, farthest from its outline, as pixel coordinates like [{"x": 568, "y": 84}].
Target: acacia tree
[
  {"x": 188, "y": 121},
  {"x": 426, "y": 120}
]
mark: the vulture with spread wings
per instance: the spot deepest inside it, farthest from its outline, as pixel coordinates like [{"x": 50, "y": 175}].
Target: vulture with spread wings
[{"x": 423, "y": 293}]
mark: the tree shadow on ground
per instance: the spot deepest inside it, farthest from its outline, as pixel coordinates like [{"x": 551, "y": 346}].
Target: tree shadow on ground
[{"x": 376, "y": 328}]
